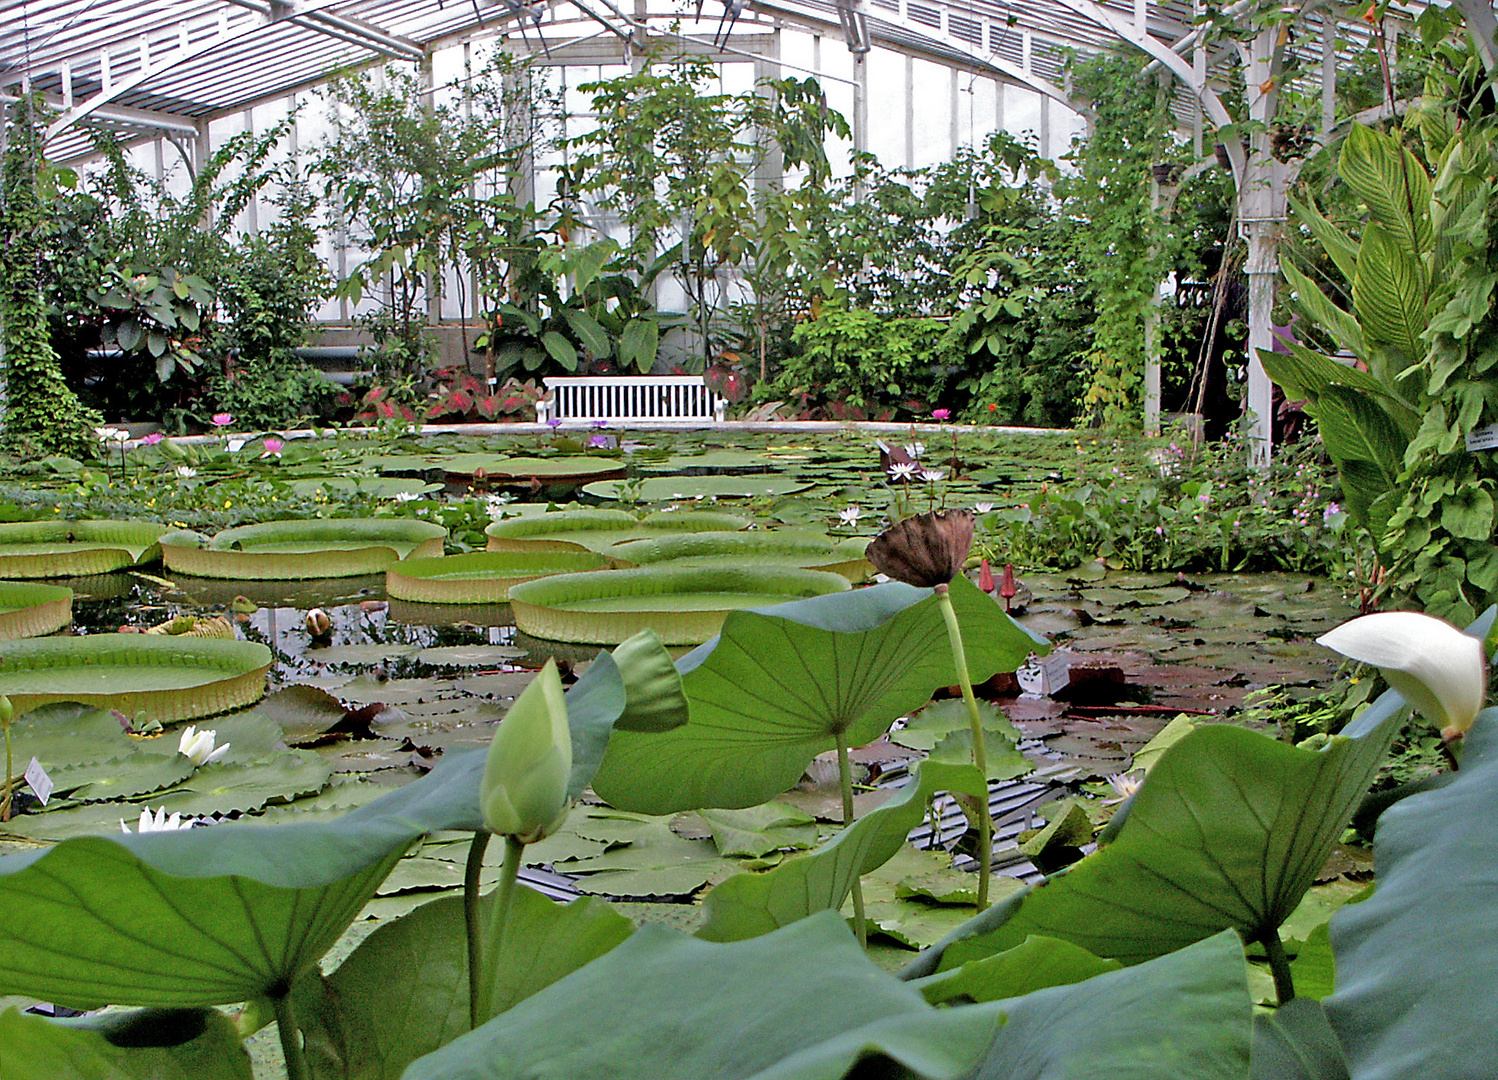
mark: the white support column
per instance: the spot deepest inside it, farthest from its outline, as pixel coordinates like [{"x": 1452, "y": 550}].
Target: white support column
[
  {"x": 909, "y": 110},
  {"x": 1328, "y": 73},
  {"x": 427, "y": 90},
  {"x": 251, "y": 209},
  {"x": 860, "y": 111},
  {"x": 1261, "y": 214},
  {"x": 954, "y": 135}
]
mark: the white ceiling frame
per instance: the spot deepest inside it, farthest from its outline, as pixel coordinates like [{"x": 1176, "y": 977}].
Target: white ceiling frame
[
  {"x": 353, "y": 31},
  {"x": 170, "y": 60}
]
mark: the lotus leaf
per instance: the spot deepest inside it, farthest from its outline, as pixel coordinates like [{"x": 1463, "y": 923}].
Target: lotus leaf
[
  {"x": 46, "y": 549},
  {"x": 331, "y": 547},
  {"x": 152, "y": 1044},
  {"x": 773, "y": 689},
  {"x": 684, "y": 606},
  {"x": 150, "y": 678},
  {"x": 481, "y": 577}
]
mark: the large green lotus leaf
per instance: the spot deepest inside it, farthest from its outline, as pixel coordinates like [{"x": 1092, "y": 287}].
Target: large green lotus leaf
[
  {"x": 684, "y": 605},
  {"x": 768, "y": 694},
  {"x": 1183, "y": 1016},
  {"x": 1415, "y": 961},
  {"x": 403, "y": 992},
  {"x": 1228, "y": 831},
  {"x": 46, "y": 549},
  {"x": 759, "y": 830},
  {"x": 150, "y": 677},
  {"x": 680, "y": 488},
  {"x": 750, "y": 904},
  {"x": 153, "y": 1044},
  {"x": 656, "y": 862},
  {"x": 804, "y": 1002},
  {"x": 1295, "y": 1042},
  {"x": 1034, "y": 964}
]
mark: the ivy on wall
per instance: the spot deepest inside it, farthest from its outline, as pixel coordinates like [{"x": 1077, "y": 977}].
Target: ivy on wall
[{"x": 43, "y": 416}]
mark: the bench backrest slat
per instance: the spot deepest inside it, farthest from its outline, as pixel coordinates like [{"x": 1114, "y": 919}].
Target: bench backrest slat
[{"x": 663, "y": 399}]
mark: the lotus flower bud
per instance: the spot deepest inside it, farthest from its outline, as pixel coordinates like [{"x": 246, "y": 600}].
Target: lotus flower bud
[
  {"x": 1434, "y": 666},
  {"x": 926, "y": 550},
  {"x": 524, "y": 791},
  {"x": 7, "y": 711}
]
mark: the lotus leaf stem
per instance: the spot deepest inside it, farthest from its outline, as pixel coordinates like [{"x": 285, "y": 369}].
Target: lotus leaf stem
[
  {"x": 471, "y": 873},
  {"x": 291, "y": 1037},
  {"x": 980, "y": 754},
  {"x": 1279, "y": 966},
  {"x": 499, "y": 919},
  {"x": 9, "y": 783},
  {"x": 845, "y": 780}
]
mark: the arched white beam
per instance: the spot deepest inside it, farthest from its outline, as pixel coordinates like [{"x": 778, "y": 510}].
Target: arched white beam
[
  {"x": 184, "y": 53},
  {"x": 941, "y": 50}
]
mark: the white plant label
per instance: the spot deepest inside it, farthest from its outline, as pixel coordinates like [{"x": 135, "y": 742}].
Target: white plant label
[{"x": 38, "y": 781}]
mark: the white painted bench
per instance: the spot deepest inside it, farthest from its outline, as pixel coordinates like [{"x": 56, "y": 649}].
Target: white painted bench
[{"x": 625, "y": 399}]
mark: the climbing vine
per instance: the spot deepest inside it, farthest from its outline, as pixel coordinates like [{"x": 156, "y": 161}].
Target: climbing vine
[
  {"x": 1125, "y": 250},
  {"x": 43, "y": 415}
]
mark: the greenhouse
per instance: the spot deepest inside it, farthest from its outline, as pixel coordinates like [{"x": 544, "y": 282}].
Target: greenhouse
[{"x": 748, "y": 539}]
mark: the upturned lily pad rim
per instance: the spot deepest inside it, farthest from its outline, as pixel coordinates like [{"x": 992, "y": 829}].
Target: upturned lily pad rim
[
  {"x": 533, "y": 602},
  {"x": 482, "y": 577},
  {"x": 532, "y": 532},
  {"x": 357, "y": 531},
  {"x": 337, "y": 547},
  {"x": 234, "y": 672},
  {"x": 86, "y": 546},
  {"x": 33, "y": 609}
]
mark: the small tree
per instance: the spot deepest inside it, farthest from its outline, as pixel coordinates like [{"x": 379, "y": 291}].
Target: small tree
[{"x": 43, "y": 415}]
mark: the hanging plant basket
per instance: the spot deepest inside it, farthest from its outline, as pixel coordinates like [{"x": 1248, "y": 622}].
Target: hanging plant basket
[{"x": 322, "y": 548}]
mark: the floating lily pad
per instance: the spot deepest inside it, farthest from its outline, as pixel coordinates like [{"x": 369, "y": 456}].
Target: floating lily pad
[
  {"x": 684, "y": 606},
  {"x": 481, "y": 577},
  {"x": 31, "y": 610},
  {"x": 801, "y": 548},
  {"x": 150, "y": 678},
  {"x": 48, "y": 549},
  {"x": 670, "y": 488},
  {"x": 598, "y": 530},
  {"x": 332, "y": 547}
]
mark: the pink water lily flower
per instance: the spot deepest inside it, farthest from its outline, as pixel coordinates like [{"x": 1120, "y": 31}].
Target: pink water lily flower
[
  {"x": 273, "y": 446},
  {"x": 941, "y": 414},
  {"x": 222, "y": 419},
  {"x": 151, "y": 439}
]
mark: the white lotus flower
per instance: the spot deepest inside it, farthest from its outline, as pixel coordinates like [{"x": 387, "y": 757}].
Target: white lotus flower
[
  {"x": 1433, "y": 665},
  {"x": 851, "y": 515},
  {"x": 158, "y": 822},
  {"x": 197, "y": 746}
]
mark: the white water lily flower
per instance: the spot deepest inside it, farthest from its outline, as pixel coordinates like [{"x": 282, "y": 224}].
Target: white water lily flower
[
  {"x": 186, "y": 472},
  {"x": 158, "y": 822},
  {"x": 1433, "y": 665},
  {"x": 197, "y": 746},
  {"x": 406, "y": 496},
  {"x": 901, "y": 470},
  {"x": 851, "y": 515},
  {"x": 931, "y": 476},
  {"x": 982, "y": 508},
  {"x": 1124, "y": 785}
]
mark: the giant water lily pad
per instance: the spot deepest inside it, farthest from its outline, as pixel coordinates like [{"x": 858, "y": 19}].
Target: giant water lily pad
[
  {"x": 47, "y": 549},
  {"x": 481, "y": 577},
  {"x": 672, "y": 488},
  {"x": 598, "y": 530},
  {"x": 332, "y": 547},
  {"x": 684, "y": 606},
  {"x": 787, "y": 547},
  {"x": 150, "y": 678},
  {"x": 31, "y": 610}
]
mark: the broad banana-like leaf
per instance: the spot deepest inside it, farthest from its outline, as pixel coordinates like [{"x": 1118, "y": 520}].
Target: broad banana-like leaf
[
  {"x": 1366, "y": 444},
  {"x": 773, "y": 689},
  {"x": 748, "y": 904},
  {"x": 1415, "y": 961},
  {"x": 1390, "y": 295},
  {"x": 1339, "y": 247},
  {"x": 1313, "y": 303},
  {"x": 1392, "y": 182},
  {"x": 1228, "y": 832}
]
